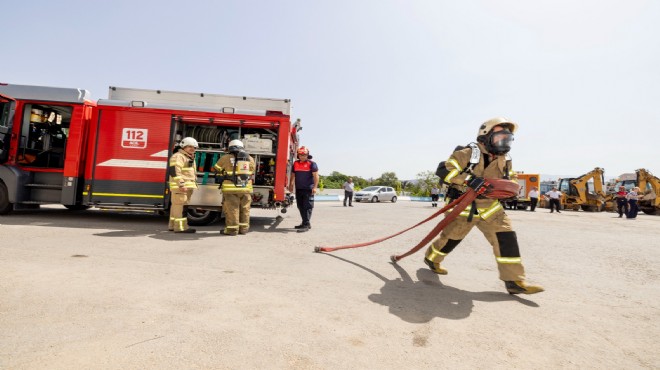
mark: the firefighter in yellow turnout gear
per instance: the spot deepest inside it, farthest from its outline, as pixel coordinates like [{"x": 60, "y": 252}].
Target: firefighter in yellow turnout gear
[
  {"x": 488, "y": 158},
  {"x": 236, "y": 169},
  {"x": 183, "y": 180}
]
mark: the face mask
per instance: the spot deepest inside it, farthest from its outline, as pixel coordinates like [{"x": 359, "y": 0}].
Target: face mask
[{"x": 499, "y": 142}]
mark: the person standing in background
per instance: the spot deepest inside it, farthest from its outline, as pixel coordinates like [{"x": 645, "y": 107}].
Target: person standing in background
[
  {"x": 533, "y": 196},
  {"x": 435, "y": 194},
  {"x": 622, "y": 201},
  {"x": 554, "y": 196},
  {"x": 632, "y": 197},
  {"x": 348, "y": 191}
]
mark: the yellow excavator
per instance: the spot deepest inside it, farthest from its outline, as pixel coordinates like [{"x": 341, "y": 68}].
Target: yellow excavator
[
  {"x": 650, "y": 188},
  {"x": 584, "y": 192}
]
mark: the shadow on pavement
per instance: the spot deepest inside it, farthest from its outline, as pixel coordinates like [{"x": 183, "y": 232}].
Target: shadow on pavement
[
  {"x": 129, "y": 224},
  {"x": 422, "y": 300}
]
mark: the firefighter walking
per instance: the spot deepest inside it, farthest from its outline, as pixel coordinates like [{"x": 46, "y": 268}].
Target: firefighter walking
[
  {"x": 183, "y": 181},
  {"x": 488, "y": 158},
  {"x": 235, "y": 171}
]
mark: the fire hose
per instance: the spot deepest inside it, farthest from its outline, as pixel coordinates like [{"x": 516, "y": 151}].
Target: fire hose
[{"x": 492, "y": 188}]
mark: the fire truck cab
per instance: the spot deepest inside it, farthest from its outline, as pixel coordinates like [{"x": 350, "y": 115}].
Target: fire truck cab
[
  {"x": 58, "y": 147},
  {"x": 43, "y": 137}
]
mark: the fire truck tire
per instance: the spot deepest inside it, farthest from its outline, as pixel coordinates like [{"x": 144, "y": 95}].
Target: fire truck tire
[
  {"x": 5, "y": 206},
  {"x": 200, "y": 217},
  {"x": 76, "y": 207}
]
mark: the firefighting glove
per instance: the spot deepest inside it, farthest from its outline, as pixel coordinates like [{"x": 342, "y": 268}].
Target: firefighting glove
[{"x": 476, "y": 183}]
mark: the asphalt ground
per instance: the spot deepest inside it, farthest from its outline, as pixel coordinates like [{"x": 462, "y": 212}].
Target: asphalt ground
[{"x": 107, "y": 290}]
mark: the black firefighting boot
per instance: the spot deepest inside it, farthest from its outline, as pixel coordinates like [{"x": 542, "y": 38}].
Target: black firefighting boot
[{"x": 518, "y": 287}]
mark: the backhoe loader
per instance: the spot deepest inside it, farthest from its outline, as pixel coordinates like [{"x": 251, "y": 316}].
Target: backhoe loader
[
  {"x": 580, "y": 192},
  {"x": 650, "y": 188}
]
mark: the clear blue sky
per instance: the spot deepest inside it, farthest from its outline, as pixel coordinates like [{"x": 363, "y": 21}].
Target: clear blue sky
[{"x": 379, "y": 85}]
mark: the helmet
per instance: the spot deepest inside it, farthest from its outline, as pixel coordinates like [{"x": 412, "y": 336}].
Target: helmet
[
  {"x": 485, "y": 127},
  {"x": 303, "y": 150},
  {"x": 235, "y": 146},
  {"x": 497, "y": 142},
  {"x": 188, "y": 141}
]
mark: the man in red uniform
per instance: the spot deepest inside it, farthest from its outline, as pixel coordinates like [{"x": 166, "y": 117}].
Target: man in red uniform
[
  {"x": 621, "y": 201},
  {"x": 305, "y": 179}
]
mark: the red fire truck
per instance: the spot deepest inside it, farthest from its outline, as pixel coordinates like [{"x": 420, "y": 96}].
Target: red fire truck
[{"x": 59, "y": 147}]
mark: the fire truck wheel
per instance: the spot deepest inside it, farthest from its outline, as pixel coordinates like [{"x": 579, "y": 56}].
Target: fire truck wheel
[
  {"x": 201, "y": 217},
  {"x": 5, "y": 206}
]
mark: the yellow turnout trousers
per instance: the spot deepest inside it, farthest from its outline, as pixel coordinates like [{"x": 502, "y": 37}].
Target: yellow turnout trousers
[
  {"x": 237, "y": 212},
  {"x": 179, "y": 198},
  {"x": 497, "y": 230}
]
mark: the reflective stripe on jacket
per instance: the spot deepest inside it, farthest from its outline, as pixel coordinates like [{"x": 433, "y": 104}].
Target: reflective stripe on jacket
[
  {"x": 500, "y": 167},
  {"x": 182, "y": 170},
  {"x": 225, "y": 166}
]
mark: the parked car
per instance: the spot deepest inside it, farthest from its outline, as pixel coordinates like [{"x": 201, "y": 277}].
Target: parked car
[{"x": 376, "y": 194}]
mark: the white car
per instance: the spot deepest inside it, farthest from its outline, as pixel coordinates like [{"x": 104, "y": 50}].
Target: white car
[{"x": 376, "y": 194}]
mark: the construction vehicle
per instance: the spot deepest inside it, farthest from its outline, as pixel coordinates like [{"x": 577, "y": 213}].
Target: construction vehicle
[
  {"x": 650, "y": 188},
  {"x": 526, "y": 182},
  {"x": 584, "y": 192},
  {"x": 59, "y": 147},
  {"x": 627, "y": 180},
  {"x": 649, "y": 185}
]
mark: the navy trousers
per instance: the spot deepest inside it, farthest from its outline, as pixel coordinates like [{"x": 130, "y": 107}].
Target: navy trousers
[{"x": 305, "y": 204}]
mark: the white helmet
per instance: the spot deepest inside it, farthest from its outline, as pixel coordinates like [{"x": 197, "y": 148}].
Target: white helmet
[
  {"x": 235, "y": 146},
  {"x": 188, "y": 141},
  {"x": 485, "y": 127}
]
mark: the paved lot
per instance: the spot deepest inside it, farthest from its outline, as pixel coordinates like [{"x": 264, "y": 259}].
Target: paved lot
[{"x": 106, "y": 290}]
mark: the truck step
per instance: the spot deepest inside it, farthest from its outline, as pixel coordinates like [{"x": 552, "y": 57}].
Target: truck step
[
  {"x": 36, "y": 202},
  {"x": 44, "y": 186}
]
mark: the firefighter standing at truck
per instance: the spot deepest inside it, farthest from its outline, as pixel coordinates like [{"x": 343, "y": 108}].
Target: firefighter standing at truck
[
  {"x": 235, "y": 171},
  {"x": 183, "y": 180},
  {"x": 493, "y": 144}
]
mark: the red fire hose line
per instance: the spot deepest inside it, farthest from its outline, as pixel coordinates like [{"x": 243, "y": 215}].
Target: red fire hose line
[
  {"x": 494, "y": 188},
  {"x": 438, "y": 213},
  {"x": 463, "y": 201}
]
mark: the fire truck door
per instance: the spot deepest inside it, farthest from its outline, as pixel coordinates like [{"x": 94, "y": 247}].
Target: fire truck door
[
  {"x": 6, "y": 117},
  {"x": 130, "y": 159}
]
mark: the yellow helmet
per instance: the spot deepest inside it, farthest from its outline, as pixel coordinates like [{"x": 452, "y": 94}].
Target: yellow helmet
[{"x": 485, "y": 127}]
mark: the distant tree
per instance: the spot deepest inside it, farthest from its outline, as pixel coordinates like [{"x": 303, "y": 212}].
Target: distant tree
[
  {"x": 387, "y": 179},
  {"x": 407, "y": 185},
  {"x": 337, "y": 179},
  {"x": 334, "y": 180},
  {"x": 425, "y": 181},
  {"x": 360, "y": 183}
]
